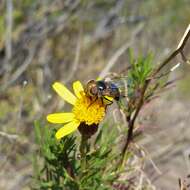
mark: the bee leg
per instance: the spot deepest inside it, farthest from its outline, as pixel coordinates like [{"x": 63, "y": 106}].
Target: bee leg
[
  {"x": 109, "y": 101},
  {"x": 93, "y": 102},
  {"x": 102, "y": 101}
]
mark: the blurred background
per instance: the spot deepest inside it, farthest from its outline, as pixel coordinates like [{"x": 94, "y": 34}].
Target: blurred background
[{"x": 68, "y": 40}]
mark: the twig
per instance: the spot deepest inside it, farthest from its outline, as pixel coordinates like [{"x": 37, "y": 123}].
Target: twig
[
  {"x": 183, "y": 184},
  {"x": 131, "y": 122},
  {"x": 186, "y": 154},
  {"x": 184, "y": 39},
  {"x": 146, "y": 153},
  {"x": 179, "y": 50},
  {"x": 21, "y": 69},
  {"x": 8, "y": 136},
  {"x": 9, "y": 25}
]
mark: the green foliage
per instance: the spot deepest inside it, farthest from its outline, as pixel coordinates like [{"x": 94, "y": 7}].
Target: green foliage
[
  {"x": 59, "y": 162},
  {"x": 58, "y": 159},
  {"x": 138, "y": 74},
  {"x": 140, "y": 71},
  {"x": 98, "y": 164}
]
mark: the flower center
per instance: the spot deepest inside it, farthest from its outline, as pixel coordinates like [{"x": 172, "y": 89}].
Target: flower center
[{"x": 89, "y": 111}]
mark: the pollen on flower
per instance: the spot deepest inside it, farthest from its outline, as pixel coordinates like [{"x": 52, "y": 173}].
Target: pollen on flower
[{"x": 88, "y": 111}]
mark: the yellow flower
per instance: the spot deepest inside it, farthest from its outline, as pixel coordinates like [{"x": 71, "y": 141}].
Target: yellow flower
[{"x": 86, "y": 112}]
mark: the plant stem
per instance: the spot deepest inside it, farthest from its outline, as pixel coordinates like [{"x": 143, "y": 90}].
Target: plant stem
[
  {"x": 83, "y": 151},
  {"x": 131, "y": 121}
]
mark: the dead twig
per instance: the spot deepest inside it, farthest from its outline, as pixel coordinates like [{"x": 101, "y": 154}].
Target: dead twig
[
  {"x": 179, "y": 50},
  {"x": 21, "y": 69},
  {"x": 9, "y": 24},
  {"x": 183, "y": 184},
  {"x": 10, "y": 137},
  {"x": 131, "y": 121}
]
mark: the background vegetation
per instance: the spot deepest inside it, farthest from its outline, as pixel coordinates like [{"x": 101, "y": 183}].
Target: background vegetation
[{"x": 65, "y": 40}]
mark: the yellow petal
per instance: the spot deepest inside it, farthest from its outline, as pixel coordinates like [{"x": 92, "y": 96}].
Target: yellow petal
[
  {"x": 78, "y": 88},
  {"x": 64, "y": 93},
  {"x": 67, "y": 129},
  {"x": 60, "y": 117}
]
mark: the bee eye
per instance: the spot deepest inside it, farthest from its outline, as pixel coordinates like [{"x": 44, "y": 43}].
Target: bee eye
[{"x": 101, "y": 88}]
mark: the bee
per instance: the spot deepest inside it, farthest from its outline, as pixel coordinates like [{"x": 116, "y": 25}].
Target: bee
[{"x": 106, "y": 89}]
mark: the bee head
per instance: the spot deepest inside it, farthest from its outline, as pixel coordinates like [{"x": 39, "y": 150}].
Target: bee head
[{"x": 91, "y": 88}]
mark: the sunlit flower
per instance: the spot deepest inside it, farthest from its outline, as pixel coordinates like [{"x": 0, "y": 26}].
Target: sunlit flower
[{"x": 85, "y": 112}]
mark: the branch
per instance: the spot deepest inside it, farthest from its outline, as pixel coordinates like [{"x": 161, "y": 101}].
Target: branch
[
  {"x": 21, "y": 69},
  {"x": 179, "y": 50},
  {"x": 9, "y": 26},
  {"x": 131, "y": 121},
  {"x": 8, "y": 136}
]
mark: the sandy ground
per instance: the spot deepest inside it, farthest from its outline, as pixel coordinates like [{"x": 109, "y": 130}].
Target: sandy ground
[{"x": 167, "y": 141}]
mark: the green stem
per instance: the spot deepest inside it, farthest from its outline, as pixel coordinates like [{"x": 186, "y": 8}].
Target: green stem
[{"x": 83, "y": 151}]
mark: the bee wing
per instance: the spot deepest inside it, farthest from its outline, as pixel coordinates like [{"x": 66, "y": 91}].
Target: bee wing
[{"x": 121, "y": 83}]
